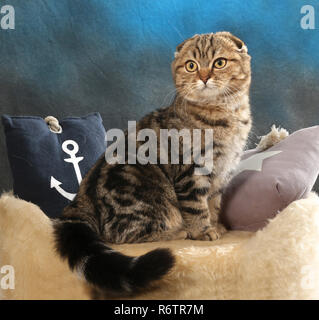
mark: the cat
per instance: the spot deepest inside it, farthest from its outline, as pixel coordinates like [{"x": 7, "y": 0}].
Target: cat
[{"x": 126, "y": 203}]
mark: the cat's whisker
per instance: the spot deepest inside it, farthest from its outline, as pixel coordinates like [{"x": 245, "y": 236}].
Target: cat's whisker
[
  {"x": 232, "y": 88},
  {"x": 190, "y": 89},
  {"x": 170, "y": 95},
  {"x": 231, "y": 96}
]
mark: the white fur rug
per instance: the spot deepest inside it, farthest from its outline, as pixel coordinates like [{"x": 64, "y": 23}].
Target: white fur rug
[{"x": 279, "y": 262}]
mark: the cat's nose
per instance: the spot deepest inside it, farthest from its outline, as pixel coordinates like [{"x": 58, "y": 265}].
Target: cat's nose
[{"x": 204, "y": 77}]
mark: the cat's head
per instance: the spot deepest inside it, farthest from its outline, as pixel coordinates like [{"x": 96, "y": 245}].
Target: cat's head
[{"x": 211, "y": 67}]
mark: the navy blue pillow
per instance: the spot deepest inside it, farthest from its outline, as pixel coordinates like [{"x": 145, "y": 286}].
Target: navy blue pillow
[{"x": 47, "y": 166}]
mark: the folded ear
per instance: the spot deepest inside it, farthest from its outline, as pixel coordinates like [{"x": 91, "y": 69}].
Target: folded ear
[
  {"x": 241, "y": 47},
  {"x": 181, "y": 45}
]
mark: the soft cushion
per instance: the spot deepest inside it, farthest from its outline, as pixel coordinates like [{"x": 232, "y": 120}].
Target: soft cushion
[
  {"x": 266, "y": 182},
  {"x": 44, "y": 163},
  {"x": 279, "y": 262}
]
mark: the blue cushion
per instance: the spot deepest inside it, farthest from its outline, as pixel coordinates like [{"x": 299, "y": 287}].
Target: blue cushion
[{"x": 47, "y": 166}]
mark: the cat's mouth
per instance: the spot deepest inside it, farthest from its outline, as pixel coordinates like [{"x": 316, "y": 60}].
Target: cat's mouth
[
  {"x": 208, "y": 86},
  {"x": 208, "y": 89},
  {"x": 203, "y": 94}
]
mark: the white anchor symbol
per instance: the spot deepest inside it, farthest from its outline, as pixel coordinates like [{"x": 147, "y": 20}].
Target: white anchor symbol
[{"x": 54, "y": 183}]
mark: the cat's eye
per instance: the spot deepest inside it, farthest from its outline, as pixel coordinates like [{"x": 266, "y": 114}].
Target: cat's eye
[
  {"x": 220, "y": 63},
  {"x": 191, "y": 66}
]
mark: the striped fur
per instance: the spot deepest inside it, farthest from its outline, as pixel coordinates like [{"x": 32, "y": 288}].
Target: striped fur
[{"x": 125, "y": 203}]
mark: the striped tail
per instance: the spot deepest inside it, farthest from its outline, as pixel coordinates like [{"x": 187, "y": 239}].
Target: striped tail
[{"x": 108, "y": 270}]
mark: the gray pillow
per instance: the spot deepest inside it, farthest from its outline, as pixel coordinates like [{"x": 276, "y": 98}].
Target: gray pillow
[{"x": 266, "y": 182}]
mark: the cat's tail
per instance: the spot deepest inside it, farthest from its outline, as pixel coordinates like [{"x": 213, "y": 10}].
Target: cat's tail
[{"x": 104, "y": 268}]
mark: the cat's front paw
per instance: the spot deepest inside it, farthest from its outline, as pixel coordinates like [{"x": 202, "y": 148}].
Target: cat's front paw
[
  {"x": 272, "y": 138},
  {"x": 221, "y": 229},
  {"x": 210, "y": 234}
]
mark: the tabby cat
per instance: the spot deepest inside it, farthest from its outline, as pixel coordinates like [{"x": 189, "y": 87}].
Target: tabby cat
[{"x": 126, "y": 203}]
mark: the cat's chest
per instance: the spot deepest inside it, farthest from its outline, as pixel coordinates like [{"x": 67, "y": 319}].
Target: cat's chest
[{"x": 228, "y": 146}]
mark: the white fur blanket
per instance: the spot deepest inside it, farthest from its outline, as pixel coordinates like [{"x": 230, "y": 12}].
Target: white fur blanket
[{"x": 279, "y": 262}]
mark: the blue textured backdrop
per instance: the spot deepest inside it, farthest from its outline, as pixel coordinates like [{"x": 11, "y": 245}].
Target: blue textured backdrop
[{"x": 72, "y": 57}]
